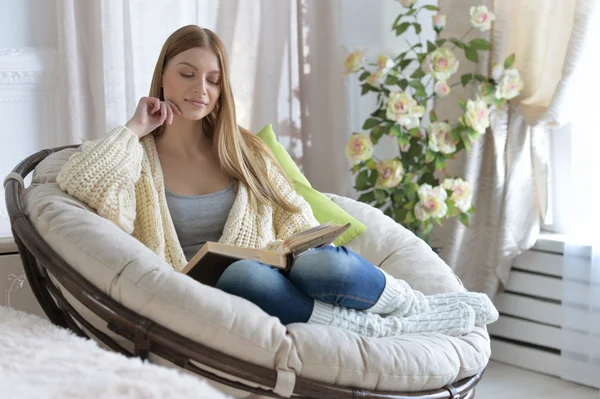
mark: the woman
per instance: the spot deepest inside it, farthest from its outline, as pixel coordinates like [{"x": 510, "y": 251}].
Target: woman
[{"x": 181, "y": 172}]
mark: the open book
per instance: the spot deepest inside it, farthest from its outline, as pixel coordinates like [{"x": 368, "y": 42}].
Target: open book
[{"x": 213, "y": 258}]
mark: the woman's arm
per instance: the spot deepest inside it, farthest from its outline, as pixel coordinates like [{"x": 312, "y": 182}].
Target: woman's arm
[{"x": 103, "y": 175}]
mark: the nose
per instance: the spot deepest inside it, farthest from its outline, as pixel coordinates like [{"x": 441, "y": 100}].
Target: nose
[{"x": 200, "y": 88}]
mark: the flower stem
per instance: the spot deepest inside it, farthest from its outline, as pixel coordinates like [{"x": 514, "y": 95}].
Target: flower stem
[{"x": 463, "y": 36}]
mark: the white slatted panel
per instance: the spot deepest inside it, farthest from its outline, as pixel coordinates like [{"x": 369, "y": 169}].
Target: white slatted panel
[
  {"x": 529, "y": 308},
  {"x": 540, "y": 262},
  {"x": 535, "y": 285},
  {"x": 528, "y": 358},
  {"x": 527, "y": 331}
]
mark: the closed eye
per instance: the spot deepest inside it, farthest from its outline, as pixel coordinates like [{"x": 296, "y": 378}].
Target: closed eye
[{"x": 186, "y": 76}]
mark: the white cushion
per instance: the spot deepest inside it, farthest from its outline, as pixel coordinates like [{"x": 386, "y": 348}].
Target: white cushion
[{"x": 130, "y": 273}]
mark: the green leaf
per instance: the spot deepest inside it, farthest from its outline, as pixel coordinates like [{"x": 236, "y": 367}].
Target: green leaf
[
  {"x": 433, "y": 116},
  {"x": 417, "y": 27},
  {"x": 404, "y": 63},
  {"x": 411, "y": 12},
  {"x": 362, "y": 180},
  {"x": 452, "y": 209},
  {"x": 458, "y": 43},
  {"x": 415, "y": 131},
  {"x": 480, "y": 78},
  {"x": 396, "y": 21},
  {"x": 464, "y": 219},
  {"x": 466, "y": 78},
  {"x": 356, "y": 168},
  {"x": 431, "y": 8},
  {"x": 421, "y": 58},
  {"x": 429, "y": 156},
  {"x": 380, "y": 196},
  {"x": 397, "y": 197},
  {"x": 430, "y": 46},
  {"x": 367, "y": 197},
  {"x": 462, "y": 104},
  {"x": 488, "y": 89},
  {"x": 409, "y": 218},
  {"x": 400, "y": 29},
  {"x": 380, "y": 113},
  {"x": 440, "y": 42},
  {"x": 370, "y": 163},
  {"x": 479, "y": 44},
  {"x": 403, "y": 139},
  {"x": 391, "y": 80},
  {"x": 373, "y": 177},
  {"x": 403, "y": 84},
  {"x": 366, "y": 88},
  {"x": 418, "y": 73},
  {"x": 508, "y": 62},
  {"x": 370, "y": 123},
  {"x": 376, "y": 134},
  {"x": 440, "y": 163},
  {"x": 396, "y": 130},
  {"x": 471, "y": 54}
]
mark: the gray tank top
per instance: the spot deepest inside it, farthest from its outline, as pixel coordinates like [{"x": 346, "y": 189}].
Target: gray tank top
[{"x": 200, "y": 218}]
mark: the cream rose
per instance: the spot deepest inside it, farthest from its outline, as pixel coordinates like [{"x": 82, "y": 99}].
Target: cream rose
[
  {"x": 441, "y": 88},
  {"x": 440, "y": 139},
  {"x": 403, "y": 109},
  {"x": 407, "y": 3},
  {"x": 391, "y": 173},
  {"x": 359, "y": 148},
  {"x": 432, "y": 203},
  {"x": 441, "y": 63},
  {"x": 375, "y": 78},
  {"x": 462, "y": 194},
  {"x": 482, "y": 18},
  {"x": 439, "y": 22},
  {"x": 477, "y": 115},
  {"x": 384, "y": 63},
  {"x": 354, "y": 61},
  {"x": 510, "y": 85}
]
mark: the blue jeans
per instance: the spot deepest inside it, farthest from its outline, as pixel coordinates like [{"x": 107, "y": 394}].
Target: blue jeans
[{"x": 328, "y": 274}]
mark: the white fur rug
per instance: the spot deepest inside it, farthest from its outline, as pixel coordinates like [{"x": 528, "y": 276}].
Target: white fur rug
[{"x": 39, "y": 360}]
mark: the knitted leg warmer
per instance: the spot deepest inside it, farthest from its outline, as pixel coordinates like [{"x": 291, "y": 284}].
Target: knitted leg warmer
[
  {"x": 398, "y": 299},
  {"x": 455, "y": 320}
]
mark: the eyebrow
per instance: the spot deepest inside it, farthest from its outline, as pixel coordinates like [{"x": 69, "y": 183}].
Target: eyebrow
[{"x": 192, "y": 66}]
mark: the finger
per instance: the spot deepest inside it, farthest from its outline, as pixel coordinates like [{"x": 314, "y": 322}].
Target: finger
[
  {"x": 176, "y": 109},
  {"x": 163, "y": 112},
  {"x": 169, "y": 113},
  {"x": 156, "y": 106}
]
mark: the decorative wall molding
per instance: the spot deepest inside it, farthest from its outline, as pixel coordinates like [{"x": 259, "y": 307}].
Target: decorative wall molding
[
  {"x": 29, "y": 105},
  {"x": 28, "y": 66}
]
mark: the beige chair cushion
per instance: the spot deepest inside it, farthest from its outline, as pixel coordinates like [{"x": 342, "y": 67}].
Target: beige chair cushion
[{"x": 130, "y": 273}]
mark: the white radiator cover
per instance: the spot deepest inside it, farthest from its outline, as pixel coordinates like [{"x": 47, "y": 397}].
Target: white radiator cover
[{"x": 528, "y": 333}]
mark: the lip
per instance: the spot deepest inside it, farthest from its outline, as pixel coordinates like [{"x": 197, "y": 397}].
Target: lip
[{"x": 196, "y": 103}]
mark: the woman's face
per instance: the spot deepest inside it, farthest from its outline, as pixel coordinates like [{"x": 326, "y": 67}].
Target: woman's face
[{"x": 192, "y": 80}]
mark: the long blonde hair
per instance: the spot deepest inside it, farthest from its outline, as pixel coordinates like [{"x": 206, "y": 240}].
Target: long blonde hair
[{"x": 241, "y": 154}]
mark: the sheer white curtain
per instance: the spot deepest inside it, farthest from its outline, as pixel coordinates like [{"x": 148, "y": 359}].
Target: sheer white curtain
[
  {"x": 509, "y": 167},
  {"x": 581, "y": 266},
  {"x": 285, "y": 58}
]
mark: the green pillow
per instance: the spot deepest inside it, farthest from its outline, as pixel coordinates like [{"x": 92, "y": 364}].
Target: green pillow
[{"x": 323, "y": 208}]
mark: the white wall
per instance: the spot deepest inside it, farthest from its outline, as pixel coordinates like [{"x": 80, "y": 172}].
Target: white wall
[{"x": 28, "y": 83}]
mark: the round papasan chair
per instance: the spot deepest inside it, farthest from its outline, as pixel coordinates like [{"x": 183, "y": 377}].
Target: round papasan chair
[{"x": 93, "y": 278}]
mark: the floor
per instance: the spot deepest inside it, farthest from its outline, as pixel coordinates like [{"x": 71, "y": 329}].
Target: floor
[{"x": 504, "y": 381}]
